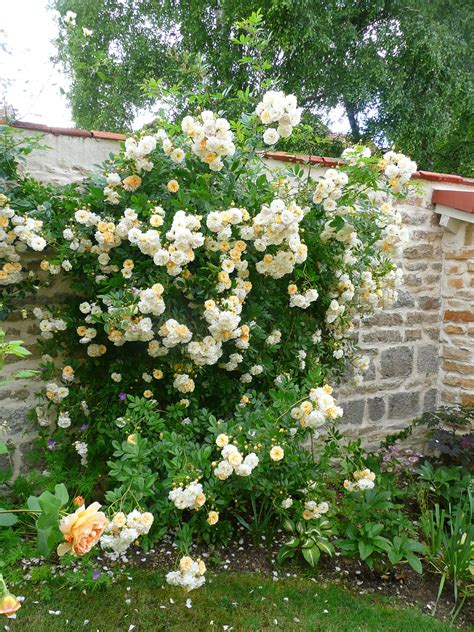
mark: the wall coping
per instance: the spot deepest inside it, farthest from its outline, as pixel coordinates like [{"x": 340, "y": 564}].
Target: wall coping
[
  {"x": 449, "y": 198},
  {"x": 65, "y": 131},
  {"x": 334, "y": 162}
]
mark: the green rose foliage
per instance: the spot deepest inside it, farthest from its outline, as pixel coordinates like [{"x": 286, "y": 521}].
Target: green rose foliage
[{"x": 212, "y": 296}]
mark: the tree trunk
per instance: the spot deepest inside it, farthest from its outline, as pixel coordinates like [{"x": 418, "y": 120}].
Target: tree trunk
[{"x": 352, "y": 116}]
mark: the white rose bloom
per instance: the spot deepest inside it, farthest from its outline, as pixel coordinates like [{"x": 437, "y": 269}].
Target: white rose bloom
[
  {"x": 271, "y": 136},
  {"x": 177, "y": 155}
]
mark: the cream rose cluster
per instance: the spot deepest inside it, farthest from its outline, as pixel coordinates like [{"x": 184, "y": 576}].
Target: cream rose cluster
[
  {"x": 190, "y": 574},
  {"x": 363, "y": 479},
  {"x": 314, "y": 510},
  {"x": 281, "y": 109},
  {"x": 138, "y": 150},
  {"x": 319, "y": 408},
  {"x": 330, "y": 188},
  {"x": 48, "y": 324},
  {"x": 278, "y": 224},
  {"x": 189, "y": 497},
  {"x": 397, "y": 169},
  {"x": 17, "y": 234},
  {"x": 123, "y": 530},
  {"x": 233, "y": 460},
  {"x": 212, "y": 138}
]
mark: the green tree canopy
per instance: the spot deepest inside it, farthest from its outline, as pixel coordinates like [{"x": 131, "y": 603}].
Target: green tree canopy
[{"x": 399, "y": 68}]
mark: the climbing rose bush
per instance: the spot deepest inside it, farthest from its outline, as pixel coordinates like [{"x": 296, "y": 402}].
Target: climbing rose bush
[{"x": 213, "y": 305}]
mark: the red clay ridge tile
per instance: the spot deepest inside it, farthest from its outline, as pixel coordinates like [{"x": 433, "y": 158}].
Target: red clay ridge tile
[
  {"x": 334, "y": 162},
  {"x": 314, "y": 160},
  {"x": 108, "y": 135},
  {"x": 35, "y": 127},
  {"x": 70, "y": 131},
  {"x": 275, "y": 155},
  {"x": 443, "y": 177}
]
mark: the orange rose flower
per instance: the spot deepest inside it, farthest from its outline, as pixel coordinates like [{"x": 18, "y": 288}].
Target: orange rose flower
[
  {"x": 8, "y": 603},
  {"x": 131, "y": 183},
  {"x": 78, "y": 501},
  {"x": 82, "y": 530}
]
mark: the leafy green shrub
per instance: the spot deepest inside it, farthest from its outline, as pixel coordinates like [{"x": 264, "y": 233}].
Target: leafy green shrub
[{"x": 213, "y": 305}]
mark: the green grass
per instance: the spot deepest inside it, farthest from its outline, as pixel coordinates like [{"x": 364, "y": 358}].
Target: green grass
[{"x": 241, "y": 601}]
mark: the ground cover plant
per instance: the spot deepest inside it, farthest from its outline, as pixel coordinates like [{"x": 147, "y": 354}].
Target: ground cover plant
[{"x": 211, "y": 311}]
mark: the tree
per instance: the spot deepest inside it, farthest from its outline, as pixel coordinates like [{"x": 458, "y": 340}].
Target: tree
[{"x": 399, "y": 68}]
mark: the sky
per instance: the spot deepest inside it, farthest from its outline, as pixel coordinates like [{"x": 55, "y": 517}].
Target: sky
[{"x": 31, "y": 83}]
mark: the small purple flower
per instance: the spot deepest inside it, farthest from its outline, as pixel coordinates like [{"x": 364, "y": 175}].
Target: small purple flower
[
  {"x": 122, "y": 396},
  {"x": 84, "y": 427},
  {"x": 95, "y": 575},
  {"x": 52, "y": 445}
]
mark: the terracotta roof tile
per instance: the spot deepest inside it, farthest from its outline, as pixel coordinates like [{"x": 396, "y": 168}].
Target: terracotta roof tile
[{"x": 275, "y": 155}]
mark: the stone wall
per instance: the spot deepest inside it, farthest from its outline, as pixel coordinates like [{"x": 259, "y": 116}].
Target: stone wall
[
  {"x": 18, "y": 397},
  {"x": 421, "y": 350},
  {"x": 456, "y": 376},
  {"x": 403, "y": 341}
]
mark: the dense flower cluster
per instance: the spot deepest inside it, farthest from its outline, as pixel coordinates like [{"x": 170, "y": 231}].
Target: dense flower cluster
[
  {"x": 397, "y": 168},
  {"x": 314, "y": 510},
  {"x": 233, "y": 461},
  {"x": 318, "y": 409},
  {"x": 48, "y": 325},
  {"x": 123, "y": 530},
  {"x": 363, "y": 479},
  {"x": 17, "y": 234},
  {"x": 190, "y": 574},
  {"x": 209, "y": 296},
  {"x": 236, "y": 242},
  {"x": 212, "y": 138},
  {"x": 189, "y": 497},
  {"x": 281, "y": 109}
]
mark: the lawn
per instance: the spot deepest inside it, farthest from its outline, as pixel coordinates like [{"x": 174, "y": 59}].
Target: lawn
[{"x": 142, "y": 601}]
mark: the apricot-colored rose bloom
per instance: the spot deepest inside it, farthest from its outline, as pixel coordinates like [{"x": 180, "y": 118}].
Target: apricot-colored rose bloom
[
  {"x": 82, "y": 530},
  {"x": 9, "y": 604},
  {"x": 131, "y": 183},
  {"x": 172, "y": 186}
]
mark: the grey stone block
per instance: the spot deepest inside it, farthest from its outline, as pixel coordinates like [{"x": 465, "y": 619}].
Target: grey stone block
[
  {"x": 370, "y": 374},
  {"x": 405, "y": 299},
  {"x": 404, "y": 405},
  {"x": 353, "y": 412},
  {"x": 429, "y": 401},
  {"x": 384, "y": 319},
  {"x": 382, "y": 335},
  {"x": 428, "y": 359},
  {"x": 420, "y": 251},
  {"x": 396, "y": 362},
  {"x": 376, "y": 408},
  {"x": 16, "y": 421}
]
